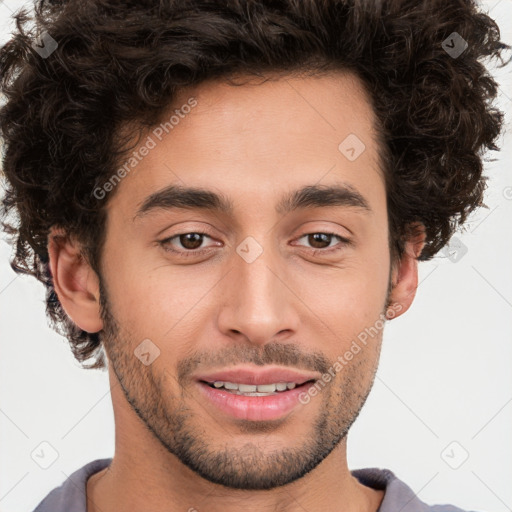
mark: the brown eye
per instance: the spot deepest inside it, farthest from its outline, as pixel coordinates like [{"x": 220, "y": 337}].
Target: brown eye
[
  {"x": 318, "y": 240},
  {"x": 186, "y": 244},
  {"x": 191, "y": 240},
  {"x": 321, "y": 242}
]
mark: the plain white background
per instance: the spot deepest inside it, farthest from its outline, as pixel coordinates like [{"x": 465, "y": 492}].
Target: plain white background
[{"x": 440, "y": 412}]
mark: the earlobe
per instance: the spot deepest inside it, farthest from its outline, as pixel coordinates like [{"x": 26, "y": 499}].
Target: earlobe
[
  {"x": 405, "y": 274},
  {"x": 75, "y": 282}
]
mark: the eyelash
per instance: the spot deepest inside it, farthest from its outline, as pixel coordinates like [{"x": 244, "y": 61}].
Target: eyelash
[{"x": 198, "y": 252}]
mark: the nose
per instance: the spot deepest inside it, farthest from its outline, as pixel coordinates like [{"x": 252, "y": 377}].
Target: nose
[{"x": 259, "y": 302}]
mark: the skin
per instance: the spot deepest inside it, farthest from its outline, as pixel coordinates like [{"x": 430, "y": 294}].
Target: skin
[{"x": 173, "y": 449}]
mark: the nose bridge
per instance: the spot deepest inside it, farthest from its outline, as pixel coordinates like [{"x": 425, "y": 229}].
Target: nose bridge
[{"x": 257, "y": 304}]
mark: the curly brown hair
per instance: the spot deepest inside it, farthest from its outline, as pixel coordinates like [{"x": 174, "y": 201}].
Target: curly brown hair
[{"x": 120, "y": 63}]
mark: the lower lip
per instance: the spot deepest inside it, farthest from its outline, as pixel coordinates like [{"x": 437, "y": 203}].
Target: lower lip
[{"x": 255, "y": 408}]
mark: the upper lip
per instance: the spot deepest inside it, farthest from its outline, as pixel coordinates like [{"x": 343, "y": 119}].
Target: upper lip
[{"x": 269, "y": 375}]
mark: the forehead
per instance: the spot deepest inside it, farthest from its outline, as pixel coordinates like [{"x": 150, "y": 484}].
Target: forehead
[{"x": 253, "y": 140}]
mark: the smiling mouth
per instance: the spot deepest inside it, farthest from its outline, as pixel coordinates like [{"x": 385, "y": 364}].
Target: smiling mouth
[{"x": 236, "y": 388}]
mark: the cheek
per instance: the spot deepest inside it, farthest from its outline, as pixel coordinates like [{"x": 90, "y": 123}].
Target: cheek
[
  {"x": 352, "y": 293},
  {"x": 349, "y": 305},
  {"x": 165, "y": 305}
]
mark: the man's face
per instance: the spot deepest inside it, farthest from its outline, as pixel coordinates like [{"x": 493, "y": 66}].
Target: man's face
[{"x": 268, "y": 293}]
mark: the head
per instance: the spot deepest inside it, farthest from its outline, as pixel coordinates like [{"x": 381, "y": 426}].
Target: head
[{"x": 248, "y": 197}]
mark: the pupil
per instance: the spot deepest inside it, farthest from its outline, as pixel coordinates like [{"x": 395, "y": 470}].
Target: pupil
[
  {"x": 187, "y": 239},
  {"x": 316, "y": 236}
]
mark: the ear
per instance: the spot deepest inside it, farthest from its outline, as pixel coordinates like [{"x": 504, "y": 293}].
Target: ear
[
  {"x": 75, "y": 282},
  {"x": 404, "y": 275}
]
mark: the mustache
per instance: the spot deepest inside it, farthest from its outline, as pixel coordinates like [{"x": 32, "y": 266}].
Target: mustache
[{"x": 270, "y": 354}]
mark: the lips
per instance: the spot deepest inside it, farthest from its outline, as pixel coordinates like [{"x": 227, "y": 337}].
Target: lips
[
  {"x": 272, "y": 375},
  {"x": 231, "y": 392}
]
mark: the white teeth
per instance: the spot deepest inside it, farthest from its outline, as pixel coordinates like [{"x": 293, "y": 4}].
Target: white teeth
[
  {"x": 245, "y": 388},
  {"x": 254, "y": 390},
  {"x": 266, "y": 388}
]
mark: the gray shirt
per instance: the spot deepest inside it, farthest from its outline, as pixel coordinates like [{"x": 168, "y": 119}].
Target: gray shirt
[{"x": 398, "y": 497}]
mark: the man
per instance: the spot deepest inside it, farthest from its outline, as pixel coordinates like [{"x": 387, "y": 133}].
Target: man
[{"x": 222, "y": 197}]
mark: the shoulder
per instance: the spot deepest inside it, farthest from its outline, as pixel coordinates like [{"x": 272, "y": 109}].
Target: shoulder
[
  {"x": 397, "y": 494},
  {"x": 71, "y": 494}
]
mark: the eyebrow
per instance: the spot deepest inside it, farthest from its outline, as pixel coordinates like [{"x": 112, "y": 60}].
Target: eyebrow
[{"x": 310, "y": 196}]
